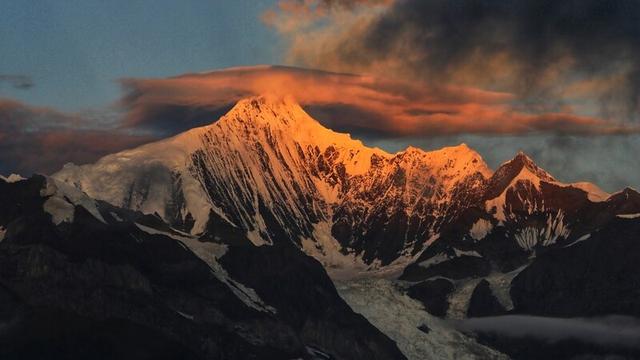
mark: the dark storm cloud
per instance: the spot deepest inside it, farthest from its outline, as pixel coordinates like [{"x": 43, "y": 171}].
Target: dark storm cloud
[
  {"x": 582, "y": 54},
  {"x": 21, "y": 82},
  {"x": 577, "y": 58},
  {"x": 36, "y": 139}
]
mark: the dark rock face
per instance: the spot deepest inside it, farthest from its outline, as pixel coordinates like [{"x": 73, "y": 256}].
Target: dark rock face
[
  {"x": 433, "y": 294},
  {"x": 556, "y": 249},
  {"x": 75, "y": 337},
  {"x": 119, "y": 278},
  {"x": 297, "y": 286},
  {"x": 546, "y": 230},
  {"x": 111, "y": 288},
  {"x": 594, "y": 277},
  {"x": 553, "y": 249},
  {"x": 483, "y": 302}
]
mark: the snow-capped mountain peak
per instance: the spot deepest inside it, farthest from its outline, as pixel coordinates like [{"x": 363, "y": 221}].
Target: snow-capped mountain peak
[
  {"x": 272, "y": 118},
  {"x": 270, "y": 172}
]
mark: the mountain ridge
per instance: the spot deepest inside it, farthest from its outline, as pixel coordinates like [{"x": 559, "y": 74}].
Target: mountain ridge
[
  {"x": 268, "y": 169},
  {"x": 230, "y": 205}
]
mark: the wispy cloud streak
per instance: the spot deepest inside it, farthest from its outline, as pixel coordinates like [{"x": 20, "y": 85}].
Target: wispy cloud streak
[{"x": 361, "y": 104}]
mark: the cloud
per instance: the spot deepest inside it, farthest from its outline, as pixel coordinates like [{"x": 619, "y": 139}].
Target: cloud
[
  {"x": 549, "y": 54},
  {"x": 37, "y": 139},
  {"x": 20, "y": 82},
  {"x": 345, "y": 102},
  {"x": 292, "y": 15},
  {"x": 613, "y": 331},
  {"x": 388, "y": 113}
]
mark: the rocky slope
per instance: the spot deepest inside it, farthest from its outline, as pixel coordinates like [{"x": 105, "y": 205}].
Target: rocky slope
[
  {"x": 465, "y": 240},
  {"x": 269, "y": 171},
  {"x": 536, "y": 247},
  {"x": 84, "y": 279}
]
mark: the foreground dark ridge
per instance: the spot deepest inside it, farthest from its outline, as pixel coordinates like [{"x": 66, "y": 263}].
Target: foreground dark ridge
[{"x": 85, "y": 279}]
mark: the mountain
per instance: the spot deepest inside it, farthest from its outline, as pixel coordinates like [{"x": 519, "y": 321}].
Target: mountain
[
  {"x": 268, "y": 171},
  {"x": 81, "y": 278},
  {"x": 245, "y": 194},
  {"x": 524, "y": 215}
]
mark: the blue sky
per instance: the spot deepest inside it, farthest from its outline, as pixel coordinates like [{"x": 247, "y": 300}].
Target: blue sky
[{"x": 75, "y": 50}]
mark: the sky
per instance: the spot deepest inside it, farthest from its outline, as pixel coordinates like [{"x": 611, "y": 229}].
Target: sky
[
  {"x": 74, "y": 50},
  {"x": 559, "y": 80}
]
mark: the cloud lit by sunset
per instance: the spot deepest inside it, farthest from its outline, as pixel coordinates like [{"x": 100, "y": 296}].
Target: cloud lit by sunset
[{"x": 388, "y": 108}]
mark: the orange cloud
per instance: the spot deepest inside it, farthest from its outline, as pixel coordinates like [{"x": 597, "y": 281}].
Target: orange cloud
[
  {"x": 552, "y": 54},
  {"x": 346, "y": 102},
  {"x": 39, "y": 139}
]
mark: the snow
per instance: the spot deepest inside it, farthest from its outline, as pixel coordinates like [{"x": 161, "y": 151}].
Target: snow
[
  {"x": 480, "y": 229},
  {"x": 264, "y": 150},
  {"x": 499, "y": 203},
  {"x": 384, "y": 304},
  {"x": 532, "y": 174},
  {"x": 265, "y": 153},
  {"x": 59, "y": 209},
  {"x": 255, "y": 237},
  {"x": 115, "y": 216},
  {"x": 460, "y": 253},
  {"x": 500, "y": 284},
  {"x": 141, "y": 179},
  {"x": 146, "y": 178},
  {"x": 555, "y": 229},
  {"x": 594, "y": 193},
  {"x": 434, "y": 260},
  {"x": 12, "y": 178},
  {"x": 443, "y": 257},
  {"x": 459, "y": 299},
  {"x": 629, "y": 216},
  {"x": 580, "y": 239},
  {"x": 459, "y": 160},
  {"x": 185, "y": 315},
  {"x": 317, "y": 354},
  {"x": 326, "y": 249},
  {"x": 62, "y": 199},
  {"x": 432, "y": 239},
  {"x": 341, "y": 267}
]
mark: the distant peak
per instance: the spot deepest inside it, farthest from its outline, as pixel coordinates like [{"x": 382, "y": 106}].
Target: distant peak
[
  {"x": 521, "y": 165},
  {"x": 521, "y": 160},
  {"x": 522, "y": 156},
  {"x": 630, "y": 191}
]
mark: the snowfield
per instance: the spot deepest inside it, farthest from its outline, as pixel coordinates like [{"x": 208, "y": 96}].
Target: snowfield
[{"x": 383, "y": 303}]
